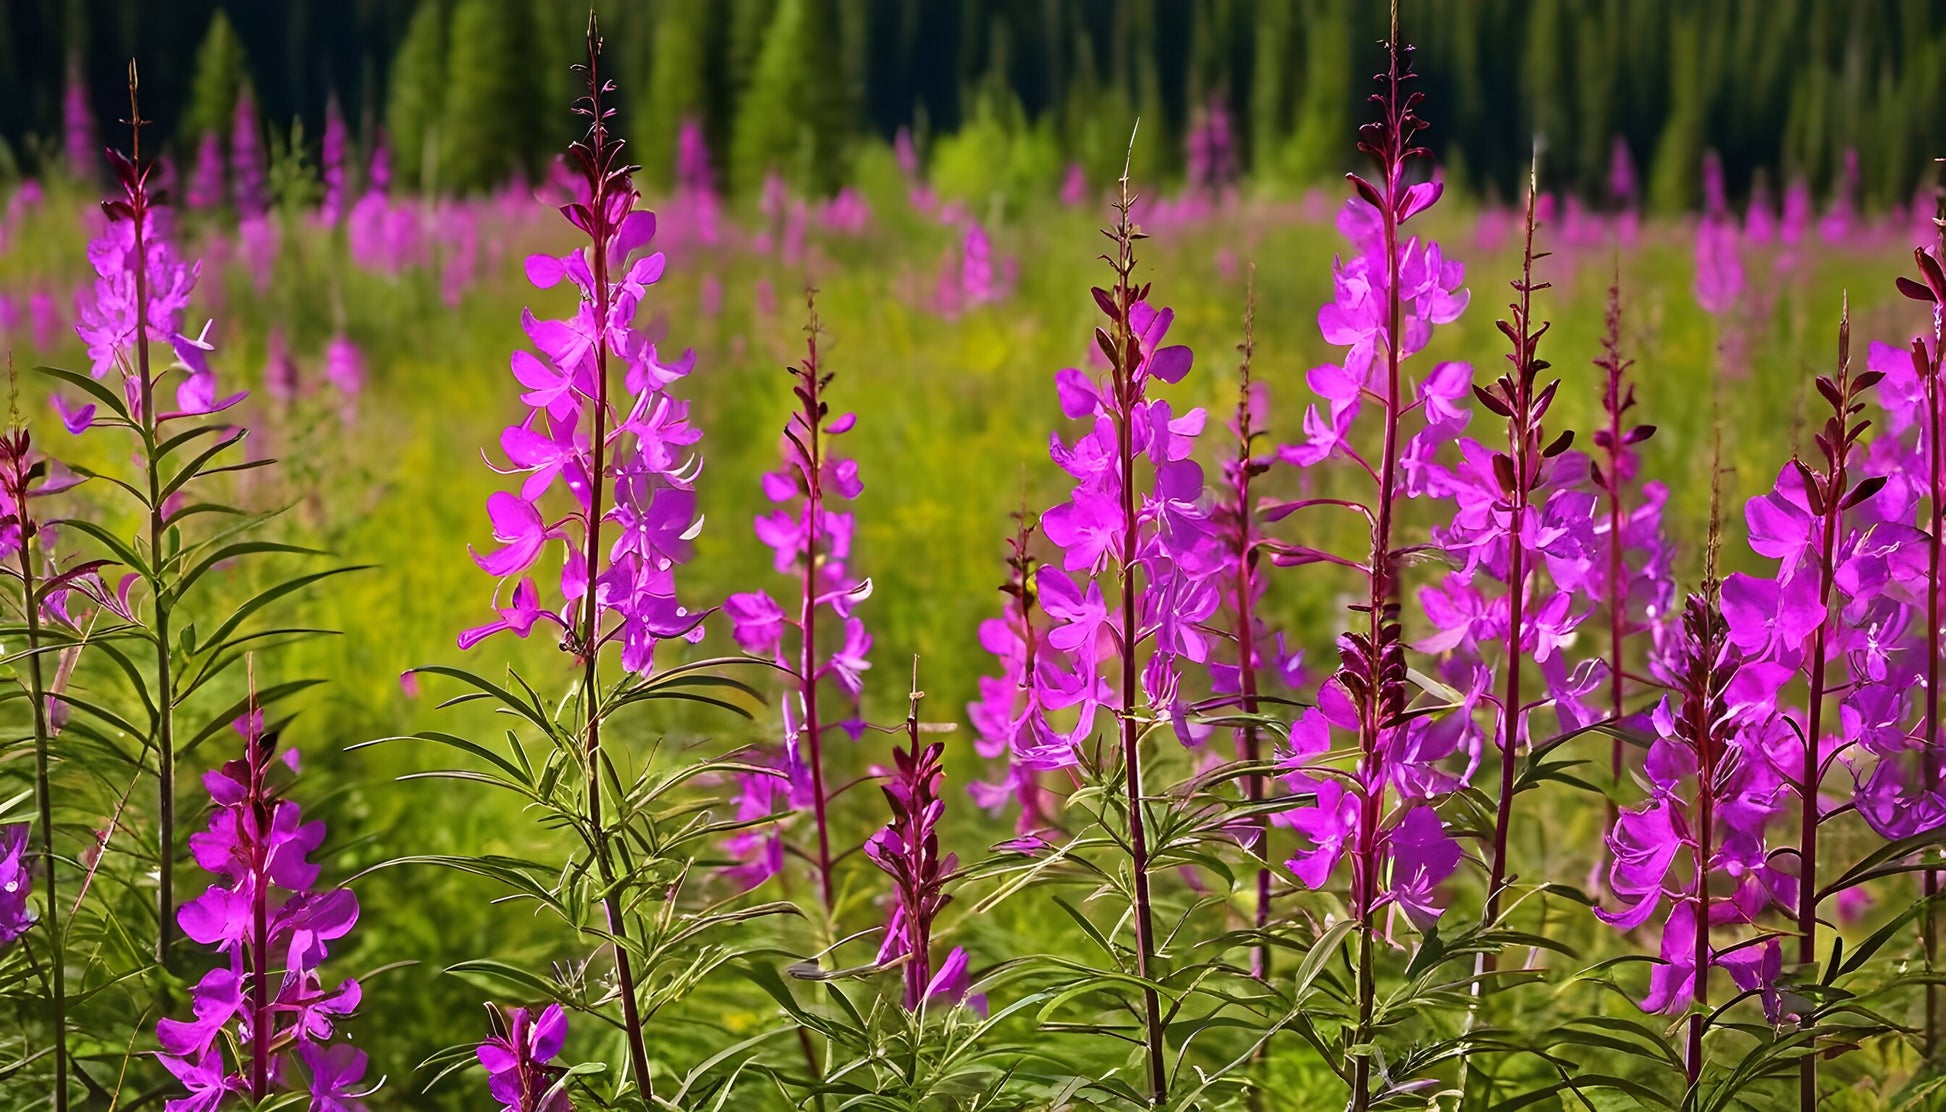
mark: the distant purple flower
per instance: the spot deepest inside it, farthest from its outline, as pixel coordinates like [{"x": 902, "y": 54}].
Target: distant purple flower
[
  {"x": 976, "y": 267},
  {"x": 344, "y": 368},
  {"x": 206, "y": 181},
  {"x": 78, "y": 123},
  {"x": 810, "y": 540},
  {"x": 247, "y": 156},
  {"x": 1839, "y": 220},
  {"x": 517, "y": 1059},
  {"x": 1621, "y": 173},
  {"x": 280, "y": 370},
  {"x": 332, "y": 208},
  {"x": 1719, "y": 270},
  {"x": 1075, "y": 185}
]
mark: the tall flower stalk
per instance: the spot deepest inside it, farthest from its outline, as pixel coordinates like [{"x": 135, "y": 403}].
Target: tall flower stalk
[
  {"x": 623, "y": 456},
  {"x": 1635, "y": 591},
  {"x": 1387, "y": 298},
  {"x": 907, "y": 848},
  {"x": 23, "y": 477},
  {"x": 1243, "y": 590},
  {"x": 1523, "y": 476},
  {"x": 141, "y": 295},
  {"x": 1138, "y": 569},
  {"x": 811, "y": 539},
  {"x": 1008, "y": 708},
  {"x": 1712, "y": 791},
  {"x": 1816, "y": 520}
]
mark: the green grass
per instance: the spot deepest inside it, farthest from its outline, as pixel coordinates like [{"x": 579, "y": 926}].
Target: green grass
[{"x": 954, "y": 417}]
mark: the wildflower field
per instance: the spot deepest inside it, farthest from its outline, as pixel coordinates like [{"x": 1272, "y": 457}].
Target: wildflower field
[{"x": 611, "y": 640}]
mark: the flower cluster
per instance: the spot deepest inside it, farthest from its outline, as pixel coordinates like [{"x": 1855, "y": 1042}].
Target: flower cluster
[
  {"x": 811, "y": 541},
  {"x": 1712, "y": 790},
  {"x": 135, "y": 242},
  {"x": 16, "y": 883},
  {"x": 273, "y": 926},
  {"x": 1115, "y": 530},
  {"x": 582, "y": 437},
  {"x": 907, "y": 848},
  {"x": 1010, "y": 702},
  {"x": 517, "y": 1059},
  {"x": 1386, "y": 300}
]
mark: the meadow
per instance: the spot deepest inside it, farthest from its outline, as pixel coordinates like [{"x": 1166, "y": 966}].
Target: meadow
[{"x": 377, "y": 365}]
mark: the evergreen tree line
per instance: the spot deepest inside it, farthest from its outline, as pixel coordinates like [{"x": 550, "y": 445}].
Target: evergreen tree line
[{"x": 469, "y": 91}]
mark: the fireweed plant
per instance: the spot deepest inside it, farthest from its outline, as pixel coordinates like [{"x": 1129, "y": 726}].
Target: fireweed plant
[
  {"x": 1261, "y": 660},
  {"x": 811, "y": 541},
  {"x": 1138, "y": 567},
  {"x": 166, "y": 638},
  {"x": 1699, "y": 839},
  {"x": 1009, "y": 702},
  {"x": 25, "y": 475},
  {"x": 1632, "y": 579},
  {"x": 604, "y": 437},
  {"x": 1374, "y": 801},
  {"x": 265, "y": 1005},
  {"x": 1524, "y": 524}
]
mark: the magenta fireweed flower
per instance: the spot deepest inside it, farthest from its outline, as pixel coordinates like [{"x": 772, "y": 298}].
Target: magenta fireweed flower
[
  {"x": 247, "y": 168},
  {"x": 206, "y": 180},
  {"x": 1261, "y": 659},
  {"x": 1009, "y": 704},
  {"x": 624, "y": 459},
  {"x": 16, "y": 883},
  {"x": 1898, "y": 788},
  {"x": 1699, "y": 838},
  {"x": 1074, "y": 185},
  {"x": 264, "y": 913},
  {"x": 1631, "y": 578},
  {"x": 907, "y": 848},
  {"x": 332, "y": 208},
  {"x": 1524, "y": 525},
  {"x": 108, "y": 326},
  {"x": 1719, "y": 269},
  {"x": 78, "y": 123},
  {"x": 976, "y": 267},
  {"x": 460, "y": 221},
  {"x": 1621, "y": 173},
  {"x": 518, "y": 1059},
  {"x": 344, "y": 369},
  {"x": 1833, "y": 612},
  {"x": 1138, "y": 568},
  {"x": 1387, "y": 299},
  {"x": 1840, "y": 220},
  {"x": 811, "y": 541},
  {"x": 1412, "y": 283},
  {"x": 280, "y": 370}
]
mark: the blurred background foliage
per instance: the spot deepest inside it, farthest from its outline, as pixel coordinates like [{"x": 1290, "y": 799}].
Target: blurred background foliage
[{"x": 459, "y": 84}]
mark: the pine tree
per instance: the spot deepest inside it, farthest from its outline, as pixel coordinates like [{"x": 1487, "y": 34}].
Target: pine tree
[
  {"x": 796, "y": 118},
  {"x": 1679, "y": 153},
  {"x": 489, "y": 94},
  {"x": 418, "y": 95},
  {"x": 1546, "y": 87},
  {"x": 1273, "y": 86},
  {"x": 220, "y": 77},
  {"x": 684, "y": 50},
  {"x": 1320, "y": 144}
]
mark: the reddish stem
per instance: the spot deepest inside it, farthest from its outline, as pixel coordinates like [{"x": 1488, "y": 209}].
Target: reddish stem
[{"x": 601, "y": 234}]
